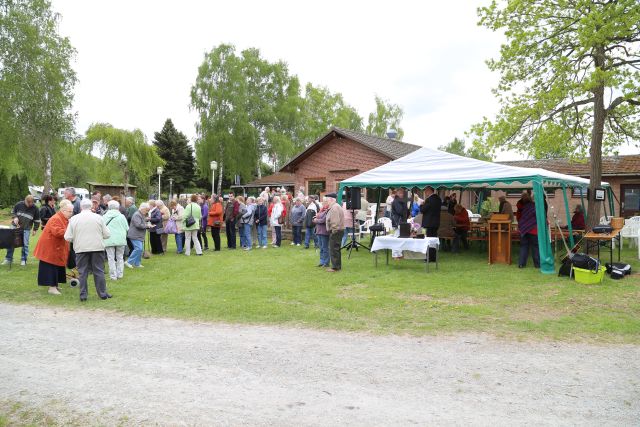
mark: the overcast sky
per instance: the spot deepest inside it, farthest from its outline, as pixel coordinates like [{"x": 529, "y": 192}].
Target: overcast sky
[{"x": 137, "y": 60}]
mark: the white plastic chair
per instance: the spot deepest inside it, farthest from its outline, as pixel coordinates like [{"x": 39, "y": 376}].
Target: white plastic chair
[
  {"x": 630, "y": 231},
  {"x": 388, "y": 225},
  {"x": 364, "y": 228},
  {"x": 471, "y": 213}
]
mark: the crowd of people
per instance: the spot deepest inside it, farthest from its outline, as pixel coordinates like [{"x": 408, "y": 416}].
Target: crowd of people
[{"x": 82, "y": 235}]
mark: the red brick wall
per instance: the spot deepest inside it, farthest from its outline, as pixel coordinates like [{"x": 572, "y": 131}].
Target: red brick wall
[{"x": 335, "y": 161}]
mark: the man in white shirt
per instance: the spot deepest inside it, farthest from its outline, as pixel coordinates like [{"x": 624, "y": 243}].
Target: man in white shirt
[{"x": 87, "y": 232}]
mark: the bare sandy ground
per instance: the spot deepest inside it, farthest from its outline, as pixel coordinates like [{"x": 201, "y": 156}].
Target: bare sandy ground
[{"x": 115, "y": 369}]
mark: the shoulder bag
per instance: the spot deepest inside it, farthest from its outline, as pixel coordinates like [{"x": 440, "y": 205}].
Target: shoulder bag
[{"x": 190, "y": 219}]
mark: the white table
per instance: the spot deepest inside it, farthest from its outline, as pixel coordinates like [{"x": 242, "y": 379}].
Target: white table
[{"x": 405, "y": 244}]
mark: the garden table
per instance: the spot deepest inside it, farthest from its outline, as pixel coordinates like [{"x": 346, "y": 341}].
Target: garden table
[{"x": 410, "y": 244}]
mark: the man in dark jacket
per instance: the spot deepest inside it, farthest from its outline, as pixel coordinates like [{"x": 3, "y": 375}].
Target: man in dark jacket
[
  {"x": 231, "y": 211},
  {"x": 26, "y": 216},
  {"x": 399, "y": 209},
  {"x": 431, "y": 216}
]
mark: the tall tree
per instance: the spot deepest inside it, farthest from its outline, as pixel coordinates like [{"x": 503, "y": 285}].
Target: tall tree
[
  {"x": 323, "y": 109},
  {"x": 225, "y": 133},
  {"x": 459, "y": 147},
  {"x": 570, "y": 79},
  {"x": 173, "y": 147},
  {"x": 386, "y": 116},
  {"x": 36, "y": 82},
  {"x": 128, "y": 149}
]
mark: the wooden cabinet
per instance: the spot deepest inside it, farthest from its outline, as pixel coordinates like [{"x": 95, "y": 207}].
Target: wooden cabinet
[{"x": 499, "y": 236}]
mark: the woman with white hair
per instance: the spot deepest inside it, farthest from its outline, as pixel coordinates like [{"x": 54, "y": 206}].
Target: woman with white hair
[
  {"x": 136, "y": 233},
  {"x": 155, "y": 218},
  {"x": 115, "y": 244},
  {"x": 166, "y": 214},
  {"x": 277, "y": 220}
]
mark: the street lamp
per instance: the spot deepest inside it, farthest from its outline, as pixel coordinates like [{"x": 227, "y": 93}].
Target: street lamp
[
  {"x": 214, "y": 166},
  {"x": 170, "y": 189},
  {"x": 159, "y": 170}
]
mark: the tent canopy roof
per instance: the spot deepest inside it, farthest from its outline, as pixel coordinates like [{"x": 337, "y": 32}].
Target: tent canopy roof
[{"x": 429, "y": 167}]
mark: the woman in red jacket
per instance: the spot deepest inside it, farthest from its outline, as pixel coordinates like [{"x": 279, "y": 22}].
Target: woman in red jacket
[
  {"x": 52, "y": 250},
  {"x": 215, "y": 220},
  {"x": 461, "y": 228}
]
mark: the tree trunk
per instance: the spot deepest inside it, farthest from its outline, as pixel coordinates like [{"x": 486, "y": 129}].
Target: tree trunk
[
  {"x": 595, "y": 152},
  {"x": 220, "y": 178},
  {"x": 125, "y": 176},
  {"x": 48, "y": 168}
]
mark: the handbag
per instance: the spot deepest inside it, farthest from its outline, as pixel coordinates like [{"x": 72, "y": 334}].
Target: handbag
[
  {"x": 217, "y": 223},
  {"x": 190, "y": 219},
  {"x": 171, "y": 227}
]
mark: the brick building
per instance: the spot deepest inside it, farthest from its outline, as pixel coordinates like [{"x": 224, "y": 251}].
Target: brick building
[
  {"x": 341, "y": 154},
  {"x": 621, "y": 172}
]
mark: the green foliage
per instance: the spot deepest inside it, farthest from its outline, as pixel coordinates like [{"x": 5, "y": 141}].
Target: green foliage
[
  {"x": 250, "y": 109},
  {"x": 36, "y": 82},
  {"x": 173, "y": 147},
  {"x": 385, "y": 117},
  {"x": 458, "y": 146},
  {"x": 127, "y": 149},
  {"x": 323, "y": 109},
  {"x": 570, "y": 78}
]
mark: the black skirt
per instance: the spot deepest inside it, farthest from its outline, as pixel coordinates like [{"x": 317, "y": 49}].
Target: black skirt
[{"x": 51, "y": 275}]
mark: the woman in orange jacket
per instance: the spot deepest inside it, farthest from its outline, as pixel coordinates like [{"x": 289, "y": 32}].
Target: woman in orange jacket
[
  {"x": 214, "y": 220},
  {"x": 52, "y": 250}
]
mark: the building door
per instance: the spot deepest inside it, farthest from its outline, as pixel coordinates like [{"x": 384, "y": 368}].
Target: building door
[{"x": 630, "y": 200}]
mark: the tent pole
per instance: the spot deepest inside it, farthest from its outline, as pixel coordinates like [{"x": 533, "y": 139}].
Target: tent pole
[
  {"x": 566, "y": 208},
  {"x": 480, "y": 200},
  {"x": 611, "y": 204},
  {"x": 375, "y": 220},
  {"x": 544, "y": 242},
  {"x": 584, "y": 211}
]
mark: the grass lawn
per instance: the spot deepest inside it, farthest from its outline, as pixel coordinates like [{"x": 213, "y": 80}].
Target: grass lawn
[{"x": 284, "y": 286}]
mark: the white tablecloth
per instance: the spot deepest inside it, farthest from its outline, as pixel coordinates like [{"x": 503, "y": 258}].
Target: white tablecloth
[{"x": 405, "y": 244}]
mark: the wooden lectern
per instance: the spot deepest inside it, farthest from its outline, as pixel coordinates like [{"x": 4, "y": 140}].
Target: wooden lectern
[{"x": 499, "y": 232}]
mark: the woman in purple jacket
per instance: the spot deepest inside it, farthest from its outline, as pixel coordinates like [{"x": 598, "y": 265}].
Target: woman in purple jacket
[{"x": 320, "y": 220}]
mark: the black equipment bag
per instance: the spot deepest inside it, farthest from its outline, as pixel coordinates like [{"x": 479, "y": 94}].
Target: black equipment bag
[
  {"x": 602, "y": 229},
  {"x": 585, "y": 262},
  {"x": 565, "y": 268},
  {"x": 616, "y": 274},
  {"x": 623, "y": 268}
]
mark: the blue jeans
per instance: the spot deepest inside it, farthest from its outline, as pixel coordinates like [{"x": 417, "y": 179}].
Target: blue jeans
[
  {"x": 323, "y": 240},
  {"x": 262, "y": 235},
  {"x": 25, "y": 247},
  {"x": 297, "y": 234},
  {"x": 180, "y": 242},
  {"x": 246, "y": 235},
  {"x": 311, "y": 233},
  {"x": 346, "y": 235},
  {"x": 136, "y": 255}
]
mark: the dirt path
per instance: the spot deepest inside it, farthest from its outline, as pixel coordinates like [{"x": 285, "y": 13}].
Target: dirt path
[{"x": 111, "y": 368}]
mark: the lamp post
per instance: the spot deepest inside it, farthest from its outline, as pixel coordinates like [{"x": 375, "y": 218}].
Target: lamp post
[
  {"x": 170, "y": 189},
  {"x": 159, "y": 170},
  {"x": 214, "y": 166}
]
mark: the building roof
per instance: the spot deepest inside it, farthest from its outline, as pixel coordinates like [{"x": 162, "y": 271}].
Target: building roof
[
  {"x": 99, "y": 184},
  {"x": 391, "y": 148},
  {"x": 611, "y": 166},
  {"x": 277, "y": 179}
]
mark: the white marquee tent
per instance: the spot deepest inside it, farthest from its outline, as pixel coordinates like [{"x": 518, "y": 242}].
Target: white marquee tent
[{"x": 429, "y": 167}]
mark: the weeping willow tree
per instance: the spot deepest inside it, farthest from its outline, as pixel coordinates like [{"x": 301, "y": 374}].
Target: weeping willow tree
[{"x": 128, "y": 149}]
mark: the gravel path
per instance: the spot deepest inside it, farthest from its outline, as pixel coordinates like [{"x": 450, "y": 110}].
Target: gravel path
[{"x": 111, "y": 368}]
